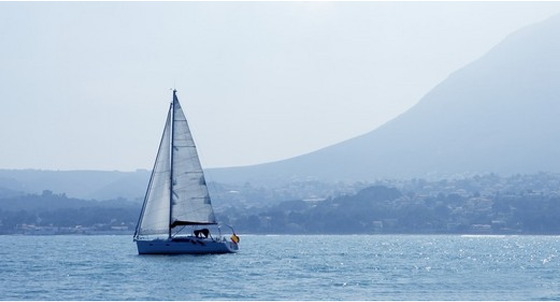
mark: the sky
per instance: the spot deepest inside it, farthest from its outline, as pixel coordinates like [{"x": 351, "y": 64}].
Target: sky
[{"x": 86, "y": 85}]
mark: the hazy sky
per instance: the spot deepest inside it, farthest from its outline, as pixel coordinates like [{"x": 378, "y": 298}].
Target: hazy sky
[{"x": 85, "y": 85}]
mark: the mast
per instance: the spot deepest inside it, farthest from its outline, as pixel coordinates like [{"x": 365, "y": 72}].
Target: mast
[{"x": 171, "y": 161}]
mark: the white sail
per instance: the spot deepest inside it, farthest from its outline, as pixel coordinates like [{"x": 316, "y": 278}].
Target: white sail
[
  {"x": 177, "y": 192},
  {"x": 154, "y": 219},
  {"x": 191, "y": 201}
]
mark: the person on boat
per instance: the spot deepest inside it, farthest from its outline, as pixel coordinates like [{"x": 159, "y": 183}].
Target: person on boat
[{"x": 201, "y": 232}]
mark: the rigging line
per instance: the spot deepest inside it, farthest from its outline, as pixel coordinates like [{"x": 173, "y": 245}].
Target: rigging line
[{"x": 178, "y": 231}]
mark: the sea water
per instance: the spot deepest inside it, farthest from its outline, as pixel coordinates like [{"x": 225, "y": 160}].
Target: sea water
[{"x": 356, "y": 267}]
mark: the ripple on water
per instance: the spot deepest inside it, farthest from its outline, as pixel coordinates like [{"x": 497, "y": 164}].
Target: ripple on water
[{"x": 368, "y": 267}]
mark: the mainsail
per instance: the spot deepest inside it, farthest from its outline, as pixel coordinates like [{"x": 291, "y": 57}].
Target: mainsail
[
  {"x": 177, "y": 193},
  {"x": 190, "y": 198}
]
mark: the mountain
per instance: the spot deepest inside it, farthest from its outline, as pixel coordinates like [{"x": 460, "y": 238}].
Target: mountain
[
  {"x": 498, "y": 114},
  {"x": 100, "y": 185}
]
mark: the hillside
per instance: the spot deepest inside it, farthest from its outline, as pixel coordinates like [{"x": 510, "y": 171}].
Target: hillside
[
  {"x": 498, "y": 114},
  {"x": 483, "y": 204},
  {"x": 100, "y": 185}
]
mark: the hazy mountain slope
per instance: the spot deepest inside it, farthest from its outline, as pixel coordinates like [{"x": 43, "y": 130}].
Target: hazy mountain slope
[
  {"x": 78, "y": 184},
  {"x": 499, "y": 114}
]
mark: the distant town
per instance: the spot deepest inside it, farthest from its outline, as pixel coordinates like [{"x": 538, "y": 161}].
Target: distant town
[{"x": 479, "y": 204}]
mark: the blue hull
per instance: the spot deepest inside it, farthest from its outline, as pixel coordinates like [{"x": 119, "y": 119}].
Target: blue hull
[{"x": 186, "y": 245}]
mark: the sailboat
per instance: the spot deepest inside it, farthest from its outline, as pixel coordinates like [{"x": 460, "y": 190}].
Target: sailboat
[{"x": 177, "y": 213}]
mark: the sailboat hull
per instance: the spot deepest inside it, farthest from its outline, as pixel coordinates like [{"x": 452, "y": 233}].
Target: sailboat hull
[{"x": 186, "y": 245}]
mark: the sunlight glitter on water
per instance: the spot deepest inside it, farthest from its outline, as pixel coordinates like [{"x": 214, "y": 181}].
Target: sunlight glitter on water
[{"x": 358, "y": 267}]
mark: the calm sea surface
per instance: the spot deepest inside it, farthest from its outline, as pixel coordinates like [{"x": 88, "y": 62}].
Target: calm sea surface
[{"x": 368, "y": 267}]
